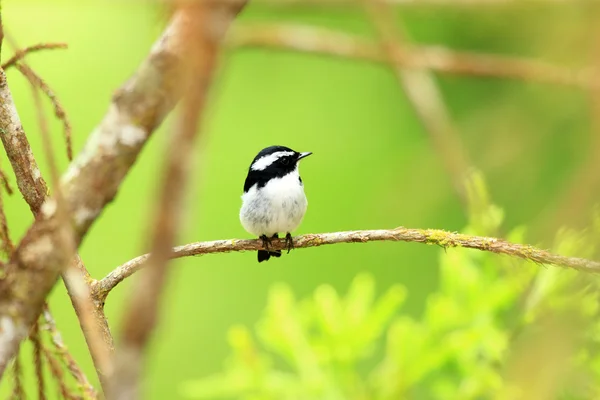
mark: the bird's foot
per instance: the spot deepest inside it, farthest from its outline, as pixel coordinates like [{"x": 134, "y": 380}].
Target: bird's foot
[
  {"x": 265, "y": 241},
  {"x": 289, "y": 242}
]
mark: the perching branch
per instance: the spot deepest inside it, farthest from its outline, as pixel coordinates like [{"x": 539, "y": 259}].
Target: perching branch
[{"x": 428, "y": 236}]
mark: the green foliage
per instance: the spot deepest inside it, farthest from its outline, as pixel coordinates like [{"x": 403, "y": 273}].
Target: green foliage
[
  {"x": 466, "y": 345},
  {"x": 321, "y": 340}
]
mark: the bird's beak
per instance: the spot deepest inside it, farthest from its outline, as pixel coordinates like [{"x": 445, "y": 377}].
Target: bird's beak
[{"x": 302, "y": 155}]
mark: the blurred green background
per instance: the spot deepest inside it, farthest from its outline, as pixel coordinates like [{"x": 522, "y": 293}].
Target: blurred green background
[{"x": 373, "y": 164}]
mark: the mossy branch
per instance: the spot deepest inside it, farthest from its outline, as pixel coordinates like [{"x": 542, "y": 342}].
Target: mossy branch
[{"x": 428, "y": 236}]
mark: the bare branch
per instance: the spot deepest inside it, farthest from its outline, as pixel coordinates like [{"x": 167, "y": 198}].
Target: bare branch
[
  {"x": 203, "y": 39},
  {"x": 20, "y": 54},
  {"x": 428, "y": 236},
  {"x": 91, "y": 181},
  {"x": 328, "y": 42}
]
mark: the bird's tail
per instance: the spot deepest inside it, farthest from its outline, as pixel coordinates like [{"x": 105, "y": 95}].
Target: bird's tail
[{"x": 264, "y": 255}]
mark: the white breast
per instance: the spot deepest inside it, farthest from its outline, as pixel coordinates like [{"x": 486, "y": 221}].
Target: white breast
[{"x": 278, "y": 207}]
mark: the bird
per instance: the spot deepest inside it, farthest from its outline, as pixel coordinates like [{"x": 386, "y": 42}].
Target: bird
[{"x": 274, "y": 200}]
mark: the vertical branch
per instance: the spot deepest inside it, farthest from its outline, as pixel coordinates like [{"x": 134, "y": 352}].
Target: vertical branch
[
  {"x": 202, "y": 39},
  {"x": 423, "y": 93}
]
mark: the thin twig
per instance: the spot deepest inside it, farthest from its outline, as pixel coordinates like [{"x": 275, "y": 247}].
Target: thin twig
[
  {"x": 5, "y": 183},
  {"x": 59, "y": 111},
  {"x": 18, "y": 393},
  {"x": 428, "y": 236},
  {"x": 329, "y": 42},
  {"x": 38, "y": 360},
  {"x": 6, "y": 245},
  {"x": 57, "y": 373},
  {"x": 36, "y": 83},
  {"x": 20, "y": 54},
  {"x": 66, "y": 356},
  {"x": 202, "y": 47}
]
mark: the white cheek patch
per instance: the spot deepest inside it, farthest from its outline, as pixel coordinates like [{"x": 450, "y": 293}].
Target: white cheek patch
[{"x": 267, "y": 160}]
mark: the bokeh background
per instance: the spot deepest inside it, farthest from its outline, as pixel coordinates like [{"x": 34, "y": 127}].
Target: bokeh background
[{"x": 373, "y": 166}]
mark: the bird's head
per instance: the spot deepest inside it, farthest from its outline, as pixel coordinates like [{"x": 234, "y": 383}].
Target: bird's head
[{"x": 277, "y": 160}]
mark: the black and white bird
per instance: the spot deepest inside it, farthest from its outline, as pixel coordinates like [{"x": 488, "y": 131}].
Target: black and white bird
[{"x": 273, "y": 199}]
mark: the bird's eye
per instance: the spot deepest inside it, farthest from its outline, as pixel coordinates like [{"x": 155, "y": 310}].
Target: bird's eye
[{"x": 284, "y": 161}]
